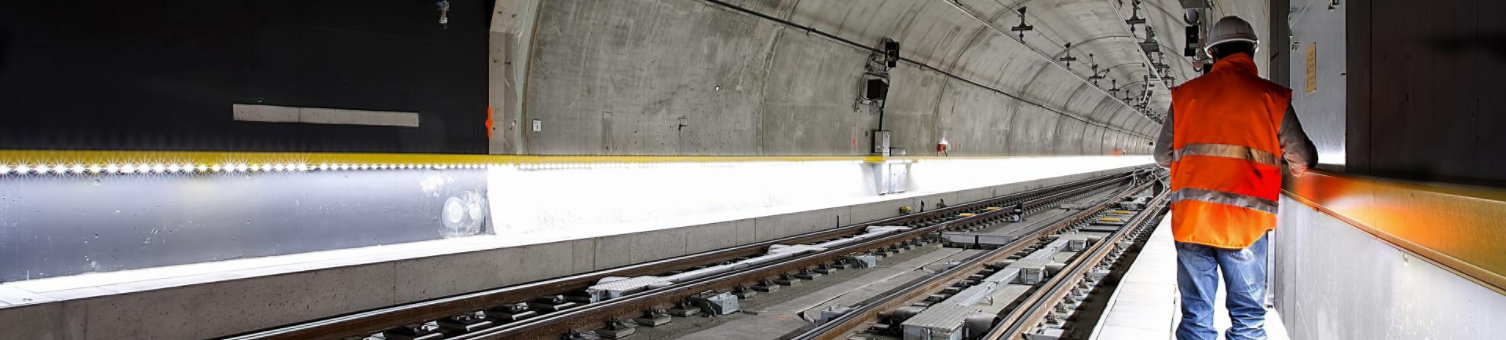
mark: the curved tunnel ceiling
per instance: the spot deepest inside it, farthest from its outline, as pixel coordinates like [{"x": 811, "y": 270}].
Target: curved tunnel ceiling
[
  {"x": 1098, "y": 28},
  {"x": 1094, "y": 27},
  {"x": 605, "y": 73}
]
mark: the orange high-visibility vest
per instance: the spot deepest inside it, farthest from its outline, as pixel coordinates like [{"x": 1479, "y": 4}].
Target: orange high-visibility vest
[{"x": 1226, "y": 158}]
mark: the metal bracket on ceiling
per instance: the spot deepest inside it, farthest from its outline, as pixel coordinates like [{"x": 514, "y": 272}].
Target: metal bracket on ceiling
[
  {"x": 1135, "y": 18},
  {"x": 1067, "y": 56},
  {"x": 1097, "y": 74},
  {"x": 1022, "y": 27}
]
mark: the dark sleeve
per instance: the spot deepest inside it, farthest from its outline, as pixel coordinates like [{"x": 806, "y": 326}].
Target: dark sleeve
[
  {"x": 1162, "y": 152},
  {"x": 1298, "y": 151}
]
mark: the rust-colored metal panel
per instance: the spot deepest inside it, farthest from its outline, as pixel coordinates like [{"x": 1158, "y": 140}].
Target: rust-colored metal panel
[{"x": 1461, "y": 228}]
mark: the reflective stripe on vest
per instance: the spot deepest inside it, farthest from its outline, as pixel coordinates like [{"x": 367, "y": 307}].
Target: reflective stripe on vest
[
  {"x": 1228, "y": 151},
  {"x": 1227, "y": 198}
]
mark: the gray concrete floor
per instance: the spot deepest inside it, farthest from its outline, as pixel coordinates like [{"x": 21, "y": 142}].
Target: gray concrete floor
[{"x": 1146, "y": 305}]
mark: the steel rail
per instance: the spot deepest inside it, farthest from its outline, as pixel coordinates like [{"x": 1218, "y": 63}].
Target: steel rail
[
  {"x": 1014, "y": 324},
  {"x": 595, "y": 315},
  {"x": 841, "y": 327},
  {"x": 376, "y": 320}
]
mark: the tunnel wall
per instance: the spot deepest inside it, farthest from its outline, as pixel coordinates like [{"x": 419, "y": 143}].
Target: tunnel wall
[
  {"x": 691, "y": 77},
  {"x": 1334, "y": 281}
]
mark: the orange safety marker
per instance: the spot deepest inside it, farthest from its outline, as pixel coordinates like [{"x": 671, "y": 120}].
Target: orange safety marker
[{"x": 489, "y": 122}]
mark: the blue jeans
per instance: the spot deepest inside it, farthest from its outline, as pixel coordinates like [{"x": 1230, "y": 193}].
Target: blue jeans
[{"x": 1244, "y": 276}]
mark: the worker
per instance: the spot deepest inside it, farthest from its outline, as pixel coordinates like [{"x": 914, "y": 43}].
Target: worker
[{"x": 1224, "y": 138}]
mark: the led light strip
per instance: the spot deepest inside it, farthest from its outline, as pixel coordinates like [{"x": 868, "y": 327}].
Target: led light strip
[
  {"x": 168, "y": 168},
  {"x": 40, "y": 162}
]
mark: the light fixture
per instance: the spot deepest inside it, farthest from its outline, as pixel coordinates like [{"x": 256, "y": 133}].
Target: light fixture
[
  {"x": 1150, "y": 45},
  {"x": 160, "y": 165}
]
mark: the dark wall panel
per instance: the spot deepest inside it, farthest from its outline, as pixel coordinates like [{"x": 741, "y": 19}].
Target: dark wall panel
[
  {"x": 162, "y": 74},
  {"x": 1427, "y": 76}
]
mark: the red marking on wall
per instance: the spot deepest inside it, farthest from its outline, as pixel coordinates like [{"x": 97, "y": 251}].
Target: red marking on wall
[
  {"x": 489, "y": 122},
  {"x": 854, "y": 142}
]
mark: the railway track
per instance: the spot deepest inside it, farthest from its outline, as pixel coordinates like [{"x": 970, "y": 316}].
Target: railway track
[
  {"x": 1051, "y": 307},
  {"x": 568, "y": 307},
  {"x": 884, "y": 317}
]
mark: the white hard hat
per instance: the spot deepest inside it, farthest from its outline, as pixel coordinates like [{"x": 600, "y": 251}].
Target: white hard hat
[{"x": 1231, "y": 28}]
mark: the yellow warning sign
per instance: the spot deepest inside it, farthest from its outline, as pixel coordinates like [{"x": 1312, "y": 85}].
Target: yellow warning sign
[{"x": 1312, "y": 68}]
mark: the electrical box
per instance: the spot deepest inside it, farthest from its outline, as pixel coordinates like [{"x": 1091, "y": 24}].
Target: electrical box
[
  {"x": 881, "y": 142},
  {"x": 877, "y": 89},
  {"x": 1150, "y": 46}
]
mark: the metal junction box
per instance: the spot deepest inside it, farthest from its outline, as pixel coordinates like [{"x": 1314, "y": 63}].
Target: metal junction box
[
  {"x": 881, "y": 142},
  {"x": 891, "y": 177}
]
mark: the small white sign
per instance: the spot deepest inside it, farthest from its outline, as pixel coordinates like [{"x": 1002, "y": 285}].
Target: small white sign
[{"x": 538, "y": 125}]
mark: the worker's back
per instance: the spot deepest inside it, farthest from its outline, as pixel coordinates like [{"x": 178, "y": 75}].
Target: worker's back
[
  {"x": 1224, "y": 138},
  {"x": 1226, "y": 172}
]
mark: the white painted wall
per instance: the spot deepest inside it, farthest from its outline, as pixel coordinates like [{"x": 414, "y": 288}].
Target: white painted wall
[
  {"x": 555, "y": 202},
  {"x": 1334, "y": 281}
]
